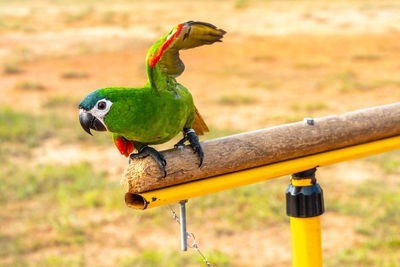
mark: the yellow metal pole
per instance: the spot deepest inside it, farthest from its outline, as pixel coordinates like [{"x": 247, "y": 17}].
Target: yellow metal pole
[
  {"x": 304, "y": 205},
  {"x": 306, "y": 241},
  {"x": 197, "y": 188}
]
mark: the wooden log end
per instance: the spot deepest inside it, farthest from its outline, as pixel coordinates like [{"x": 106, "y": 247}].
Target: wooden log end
[
  {"x": 135, "y": 175},
  {"x": 143, "y": 174}
]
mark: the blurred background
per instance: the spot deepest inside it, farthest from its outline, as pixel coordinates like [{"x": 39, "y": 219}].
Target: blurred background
[{"x": 281, "y": 61}]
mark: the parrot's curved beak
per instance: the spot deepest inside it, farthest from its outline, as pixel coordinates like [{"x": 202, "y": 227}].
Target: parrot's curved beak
[{"x": 88, "y": 121}]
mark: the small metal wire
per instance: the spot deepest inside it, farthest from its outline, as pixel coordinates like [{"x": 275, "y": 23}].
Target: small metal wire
[{"x": 190, "y": 235}]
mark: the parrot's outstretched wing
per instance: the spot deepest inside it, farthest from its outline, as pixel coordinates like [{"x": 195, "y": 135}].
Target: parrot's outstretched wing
[{"x": 163, "y": 62}]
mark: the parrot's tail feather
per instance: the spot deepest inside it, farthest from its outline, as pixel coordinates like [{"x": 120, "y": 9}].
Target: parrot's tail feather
[{"x": 199, "y": 126}]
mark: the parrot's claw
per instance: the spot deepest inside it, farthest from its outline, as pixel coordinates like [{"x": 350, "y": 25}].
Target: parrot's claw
[
  {"x": 193, "y": 139},
  {"x": 149, "y": 151},
  {"x": 195, "y": 144},
  {"x": 181, "y": 143}
]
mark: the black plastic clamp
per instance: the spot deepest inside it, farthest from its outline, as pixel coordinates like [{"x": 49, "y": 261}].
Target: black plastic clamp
[{"x": 304, "y": 201}]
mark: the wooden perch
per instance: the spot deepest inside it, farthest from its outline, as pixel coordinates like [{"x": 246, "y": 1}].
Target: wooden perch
[{"x": 246, "y": 150}]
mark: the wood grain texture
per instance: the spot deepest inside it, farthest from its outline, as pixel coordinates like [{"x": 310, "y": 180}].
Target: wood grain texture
[{"x": 246, "y": 150}]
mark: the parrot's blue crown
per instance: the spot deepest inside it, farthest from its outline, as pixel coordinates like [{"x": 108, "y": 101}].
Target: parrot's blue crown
[{"x": 90, "y": 100}]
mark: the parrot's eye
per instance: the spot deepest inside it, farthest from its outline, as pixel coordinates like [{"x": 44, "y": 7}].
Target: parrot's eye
[{"x": 101, "y": 105}]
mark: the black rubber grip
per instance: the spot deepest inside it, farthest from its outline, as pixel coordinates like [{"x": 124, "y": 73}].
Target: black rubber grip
[{"x": 304, "y": 201}]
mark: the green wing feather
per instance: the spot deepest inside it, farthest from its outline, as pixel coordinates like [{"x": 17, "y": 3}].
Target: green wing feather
[{"x": 163, "y": 62}]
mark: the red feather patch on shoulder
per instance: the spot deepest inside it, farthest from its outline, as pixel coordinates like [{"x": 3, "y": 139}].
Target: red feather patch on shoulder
[
  {"x": 124, "y": 146},
  {"x": 154, "y": 58}
]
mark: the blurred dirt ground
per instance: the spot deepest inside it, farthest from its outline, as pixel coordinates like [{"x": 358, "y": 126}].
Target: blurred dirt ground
[{"x": 280, "y": 61}]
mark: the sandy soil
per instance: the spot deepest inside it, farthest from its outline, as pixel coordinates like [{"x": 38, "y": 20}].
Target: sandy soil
[{"x": 293, "y": 59}]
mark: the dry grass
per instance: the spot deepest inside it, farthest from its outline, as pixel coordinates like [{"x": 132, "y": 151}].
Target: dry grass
[{"x": 281, "y": 61}]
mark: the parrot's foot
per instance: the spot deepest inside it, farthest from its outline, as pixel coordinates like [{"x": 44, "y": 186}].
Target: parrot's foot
[
  {"x": 181, "y": 143},
  {"x": 193, "y": 139},
  {"x": 149, "y": 151}
]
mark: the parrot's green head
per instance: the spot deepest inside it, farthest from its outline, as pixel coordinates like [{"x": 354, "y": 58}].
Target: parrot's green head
[{"x": 92, "y": 111}]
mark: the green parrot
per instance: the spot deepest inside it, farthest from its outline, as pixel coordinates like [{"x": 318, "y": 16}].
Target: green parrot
[{"x": 158, "y": 111}]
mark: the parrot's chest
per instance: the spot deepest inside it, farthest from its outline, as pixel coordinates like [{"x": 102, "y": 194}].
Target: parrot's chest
[{"x": 157, "y": 119}]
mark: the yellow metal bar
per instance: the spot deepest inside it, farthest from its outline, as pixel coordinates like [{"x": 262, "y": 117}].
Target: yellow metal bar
[
  {"x": 197, "y": 188},
  {"x": 306, "y": 241}
]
